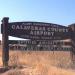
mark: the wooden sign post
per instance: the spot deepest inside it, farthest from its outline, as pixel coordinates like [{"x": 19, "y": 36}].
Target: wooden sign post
[
  {"x": 33, "y": 31},
  {"x": 5, "y": 45}
]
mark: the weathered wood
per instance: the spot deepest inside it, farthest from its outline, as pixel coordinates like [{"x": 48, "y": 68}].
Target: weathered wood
[{"x": 5, "y": 45}]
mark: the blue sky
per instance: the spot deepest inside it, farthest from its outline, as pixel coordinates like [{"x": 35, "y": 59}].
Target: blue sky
[{"x": 52, "y": 11}]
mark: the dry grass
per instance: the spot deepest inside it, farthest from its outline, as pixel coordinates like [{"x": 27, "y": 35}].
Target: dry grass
[
  {"x": 36, "y": 57},
  {"x": 40, "y": 69},
  {"x": 39, "y": 63}
]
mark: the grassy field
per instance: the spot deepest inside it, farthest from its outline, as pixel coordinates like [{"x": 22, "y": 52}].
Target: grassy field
[
  {"x": 39, "y": 63},
  {"x": 57, "y": 58}
]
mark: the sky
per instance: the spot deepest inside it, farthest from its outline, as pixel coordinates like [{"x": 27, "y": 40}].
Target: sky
[{"x": 51, "y": 11}]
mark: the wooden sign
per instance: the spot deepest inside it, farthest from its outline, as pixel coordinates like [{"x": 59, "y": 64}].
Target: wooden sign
[
  {"x": 33, "y": 31},
  {"x": 38, "y": 30}
]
